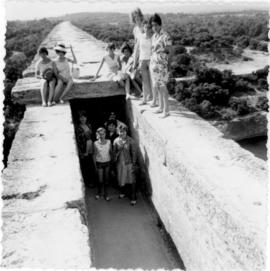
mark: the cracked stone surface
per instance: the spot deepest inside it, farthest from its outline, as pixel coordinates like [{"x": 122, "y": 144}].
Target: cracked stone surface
[
  {"x": 42, "y": 225},
  {"x": 209, "y": 192}
]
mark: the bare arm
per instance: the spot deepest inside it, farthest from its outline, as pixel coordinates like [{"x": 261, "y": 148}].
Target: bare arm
[{"x": 37, "y": 72}]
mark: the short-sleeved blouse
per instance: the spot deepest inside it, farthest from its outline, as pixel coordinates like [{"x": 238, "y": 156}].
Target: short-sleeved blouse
[{"x": 63, "y": 68}]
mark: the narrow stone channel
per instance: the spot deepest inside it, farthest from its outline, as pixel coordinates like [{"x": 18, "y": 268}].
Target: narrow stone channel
[{"x": 121, "y": 235}]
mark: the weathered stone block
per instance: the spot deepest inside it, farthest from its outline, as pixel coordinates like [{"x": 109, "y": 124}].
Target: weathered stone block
[
  {"x": 252, "y": 125},
  {"x": 209, "y": 192}
]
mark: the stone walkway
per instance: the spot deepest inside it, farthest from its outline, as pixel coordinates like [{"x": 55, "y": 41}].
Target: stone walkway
[{"x": 125, "y": 236}]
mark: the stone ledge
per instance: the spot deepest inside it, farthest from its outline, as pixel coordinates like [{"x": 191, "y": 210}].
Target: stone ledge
[
  {"x": 47, "y": 239},
  {"x": 27, "y": 90},
  {"x": 43, "y": 194},
  {"x": 209, "y": 192}
]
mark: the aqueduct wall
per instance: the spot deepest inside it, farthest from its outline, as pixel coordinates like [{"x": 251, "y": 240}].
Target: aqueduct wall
[{"x": 210, "y": 194}]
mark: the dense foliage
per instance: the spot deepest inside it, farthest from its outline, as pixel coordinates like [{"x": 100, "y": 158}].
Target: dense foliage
[
  {"x": 212, "y": 37},
  {"x": 216, "y": 94},
  {"x": 211, "y": 31},
  {"x": 22, "y": 41}
]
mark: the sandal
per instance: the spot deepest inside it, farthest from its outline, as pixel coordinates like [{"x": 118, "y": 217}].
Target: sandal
[
  {"x": 143, "y": 103},
  {"x": 153, "y": 105}
]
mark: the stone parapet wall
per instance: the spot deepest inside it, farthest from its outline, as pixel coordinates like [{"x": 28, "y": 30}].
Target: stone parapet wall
[
  {"x": 210, "y": 193},
  {"x": 43, "y": 195}
]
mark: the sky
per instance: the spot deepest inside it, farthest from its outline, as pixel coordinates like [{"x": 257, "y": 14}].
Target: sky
[{"x": 36, "y": 9}]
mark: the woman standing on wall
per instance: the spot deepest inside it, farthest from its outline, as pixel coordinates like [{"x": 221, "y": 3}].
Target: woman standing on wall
[
  {"x": 125, "y": 153},
  {"x": 85, "y": 148},
  {"x": 159, "y": 63},
  {"x": 64, "y": 75},
  {"x": 137, "y": 19}
]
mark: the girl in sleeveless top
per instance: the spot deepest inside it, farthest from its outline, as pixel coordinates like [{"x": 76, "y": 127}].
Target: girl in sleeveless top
[
  {"x": 102, "y": 158},
  {"x": 64, "y": 75},
  {"x": 113, "y": 62},
  {"x": 47, "y": 86},
  {"x": 125, "y": 79}
]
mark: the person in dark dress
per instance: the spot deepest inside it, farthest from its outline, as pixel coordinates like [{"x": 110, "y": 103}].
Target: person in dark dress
[
  {"x": 85, "y": 148},
  {"x": 112, "y": 135}
]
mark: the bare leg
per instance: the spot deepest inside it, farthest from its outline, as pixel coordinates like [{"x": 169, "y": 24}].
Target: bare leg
[
  {"x": 44, "y": 92},
  {"x": 146, "y": 80},
  {"x": 127, "y": 86},
  {"x": 105, "y": 181},
  {"x": 67, "y": 89},
  {"x": 165, "y": 98},
  {"x": 100, "y": 180},
  {"x": 51, "y": 91},
  {"x": 135, "y": 84},
  {"x": 160, "y": 100},
  {"x": 155, "y": 94},
  {"x": 58, "y": 89}
]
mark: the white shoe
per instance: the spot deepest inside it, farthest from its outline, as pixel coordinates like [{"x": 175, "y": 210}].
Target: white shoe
[
  {"x": 61, "y": 101},
  {"x": 44, "y": 104},
  {"x": 49, "y": 104}
]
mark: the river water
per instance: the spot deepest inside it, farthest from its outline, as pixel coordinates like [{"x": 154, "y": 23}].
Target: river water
[{"x": 257, "y": 146}]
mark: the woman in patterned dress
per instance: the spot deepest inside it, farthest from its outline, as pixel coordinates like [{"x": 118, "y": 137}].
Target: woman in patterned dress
[{"x": 159, "y": 62}]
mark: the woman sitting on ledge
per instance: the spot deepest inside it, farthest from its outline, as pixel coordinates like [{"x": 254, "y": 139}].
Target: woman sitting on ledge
[
  {"x": 113, "y": 62},
  {"x": 63, "y": 75},
  {"x": 46, "y": 71}
]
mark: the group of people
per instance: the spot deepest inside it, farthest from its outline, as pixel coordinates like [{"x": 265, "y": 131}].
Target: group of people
[
  {"x": 151, "y": 57},
  {"x": 112, "y": 155},
  {"x": 55, "y": 75}
]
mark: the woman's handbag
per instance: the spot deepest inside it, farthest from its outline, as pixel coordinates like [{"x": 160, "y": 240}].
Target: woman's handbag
[
  {"x": 48, "y": 74},
  {"x": 75, "y": 71}
]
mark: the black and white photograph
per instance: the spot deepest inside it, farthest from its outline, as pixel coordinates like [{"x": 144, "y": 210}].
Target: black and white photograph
[{"x": 134, "y": 134}]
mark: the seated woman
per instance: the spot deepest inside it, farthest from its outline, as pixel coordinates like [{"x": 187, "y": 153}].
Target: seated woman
[
  {"x": 46, "y": 71},
  {"x": 125, "y": 154},
  {"x": 113, "y": 62},
  {"x": 85, "y": 148},
  {"x": 125, "y": 77},
  {"x": 63, "y": 76}
]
